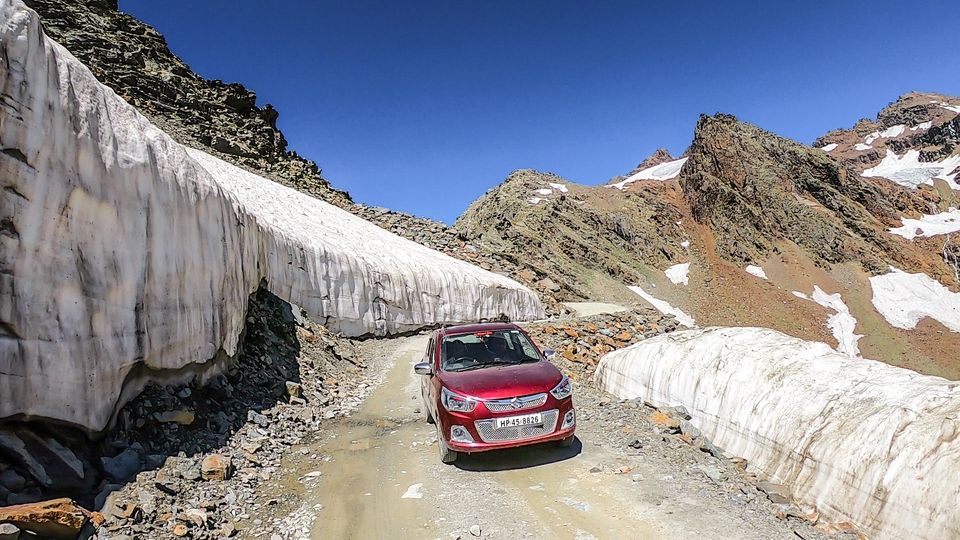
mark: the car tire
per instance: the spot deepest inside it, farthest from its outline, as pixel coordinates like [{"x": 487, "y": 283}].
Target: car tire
[
  {"x": 566, "y": 443},
  {"x": 446, "y": 454},
  {"x": 429, "y": 417}
]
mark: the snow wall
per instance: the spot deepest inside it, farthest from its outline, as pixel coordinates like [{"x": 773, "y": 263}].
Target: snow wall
[
  {"x": 125, "y": 257},
  {"x": 860, "y": 440}
]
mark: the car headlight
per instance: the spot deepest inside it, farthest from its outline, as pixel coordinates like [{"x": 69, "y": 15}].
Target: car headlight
[
  {"x": 454, "y": 402},
  {"x": 563, "y": 390}
]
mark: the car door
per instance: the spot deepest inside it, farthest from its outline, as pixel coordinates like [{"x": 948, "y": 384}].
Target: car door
[{"x": 428, "y": 384}]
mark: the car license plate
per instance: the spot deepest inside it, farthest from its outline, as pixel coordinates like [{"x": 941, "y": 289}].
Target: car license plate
[{"x": 535, "y": 419}]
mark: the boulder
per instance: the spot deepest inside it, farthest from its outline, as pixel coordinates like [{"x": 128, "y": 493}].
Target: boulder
[
  {"x": 215, "y": 467},
  {"x": 123, "y": 466},
  {"x": 57, "y": 518}
]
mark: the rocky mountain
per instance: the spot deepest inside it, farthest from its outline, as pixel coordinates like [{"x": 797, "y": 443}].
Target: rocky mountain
[
  {"x": 134, "y": 60},
  {"x": 582, "y": 242},
  {"x": 742, "y": 230}
]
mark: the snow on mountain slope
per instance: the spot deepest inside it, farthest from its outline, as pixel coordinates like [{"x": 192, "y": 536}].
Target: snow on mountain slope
[
  {"x": 664, "y": 307},
  {"x": 904, "y": 299},
  {"x": 663, "y": 171},
  {"x": 929, "y": 225},
  {"x": 842, "y": 323},
  {"x": 678, "y": 274},
  {"x": 908, "y": 171},
  {"x": 858, "y": 439},
  {"x": 125, "y": 259}
]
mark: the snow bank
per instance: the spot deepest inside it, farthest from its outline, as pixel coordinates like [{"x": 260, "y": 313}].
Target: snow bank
[
  {"x": 664, "y": 307},
  {"x": 904, "y": 299},
  {"x": 128, "y": 258},
  {"x": 909, "y": 171},
  {"x": 755, "y": 271},
  {"x": 830, "y": 147},
  {"x": 923, "y": 126},
  {"x": 858, "y": 439},
  {"x": 663, "y": 171},
  {"x": 559, "y": 187},
  {"x": 862, "y": 147},
  {"x": 929, "y": 225},
  {"x": 678, "y": 274}
]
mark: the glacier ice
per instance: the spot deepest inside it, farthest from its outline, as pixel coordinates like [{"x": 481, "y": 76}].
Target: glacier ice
[
  {"x": 858, "y": 439},
  {"x": 126, "y": 257}
]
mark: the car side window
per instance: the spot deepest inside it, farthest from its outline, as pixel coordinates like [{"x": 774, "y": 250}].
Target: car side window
[{"x": 525, "y": 344}]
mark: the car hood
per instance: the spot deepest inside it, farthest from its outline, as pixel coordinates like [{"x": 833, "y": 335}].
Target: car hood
[{"x": 499, "y": 382}]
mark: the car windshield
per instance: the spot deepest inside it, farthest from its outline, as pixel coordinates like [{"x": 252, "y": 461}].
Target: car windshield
[{"x": 479, "y": 350}]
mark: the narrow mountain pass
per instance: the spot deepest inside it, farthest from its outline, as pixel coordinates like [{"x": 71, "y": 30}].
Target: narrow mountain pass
[{"x": 377, "y": 474}]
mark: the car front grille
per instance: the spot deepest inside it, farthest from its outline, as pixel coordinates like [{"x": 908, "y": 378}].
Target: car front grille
[
  {"x": 516, "y": 404},
  {"x": 489, "y": 434}
]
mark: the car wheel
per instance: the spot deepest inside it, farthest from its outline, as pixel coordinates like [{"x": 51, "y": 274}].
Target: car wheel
[
  {"x": 446, "y": 454},
  {"x": 566, "y": 443}
]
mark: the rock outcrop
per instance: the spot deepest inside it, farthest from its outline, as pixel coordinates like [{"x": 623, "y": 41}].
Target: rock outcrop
[
  {"x": 127, "y": 257},
  {"x": 858, "y": 439},
  {"x": 754, "y": 188}
]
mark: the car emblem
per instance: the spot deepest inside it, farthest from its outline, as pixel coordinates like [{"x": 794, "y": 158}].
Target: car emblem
[{"x": 515, "y": 403}]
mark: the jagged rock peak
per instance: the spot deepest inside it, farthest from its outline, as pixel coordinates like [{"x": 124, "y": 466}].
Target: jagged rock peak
[
  {"x": 754, "y": 188},
  {"x": 660, "y": 155}
]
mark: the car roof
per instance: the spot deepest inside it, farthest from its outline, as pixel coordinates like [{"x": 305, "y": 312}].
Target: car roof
[{"x": 471, "y": 328}]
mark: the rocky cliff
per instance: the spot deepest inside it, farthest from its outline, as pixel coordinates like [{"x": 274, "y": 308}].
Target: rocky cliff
[{"x": 754, "y": 188}]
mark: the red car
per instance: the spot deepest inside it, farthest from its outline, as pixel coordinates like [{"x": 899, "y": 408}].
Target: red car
[{"x": 487, "y": 387}]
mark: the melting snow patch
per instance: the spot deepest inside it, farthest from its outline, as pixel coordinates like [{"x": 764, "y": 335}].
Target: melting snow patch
[
  {"x": 924, "y": 125},
  {"x": 663, "y": 171},
  {"x": 949, "y": 107},
  {"x": 829, "y": 147},
  {"x": 544, "y": 191},
  {"x": 677, "y": 273},
  {"x": 559, "y": 187},
  {"x": 909, "y": 171},
  {"x": 840, "y": 323},
  {"x": 942, "y": 223},
  {"x": 413, "y": 492},
  {"x": 893, "y": 131},
  {"x": 685, "y": 244},
  {"x": 534, "y": 200},
  {"x": 904, "y": 299},
  {"x": 756, "y": 271},
  {"x": 861, "y": 147},
  {"x": 664, "y": 307},
  {"x": 878, "y": 442}
]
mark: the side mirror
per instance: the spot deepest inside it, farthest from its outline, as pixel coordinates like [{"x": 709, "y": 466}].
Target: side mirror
[
  {"x": 549, "y": 353},
  {"x": 423, "y": 368}
]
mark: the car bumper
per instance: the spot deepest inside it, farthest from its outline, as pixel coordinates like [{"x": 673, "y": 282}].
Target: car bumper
[
  {"x": 468, "y": 448},
  {"x": 478, "y": 444}
]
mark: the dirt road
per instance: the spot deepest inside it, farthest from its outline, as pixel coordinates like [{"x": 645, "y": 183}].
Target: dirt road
[{"x": 377, "y": 474}]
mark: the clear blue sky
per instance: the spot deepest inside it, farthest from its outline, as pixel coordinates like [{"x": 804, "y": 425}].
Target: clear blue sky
[{"x": 423, "y": 106}]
